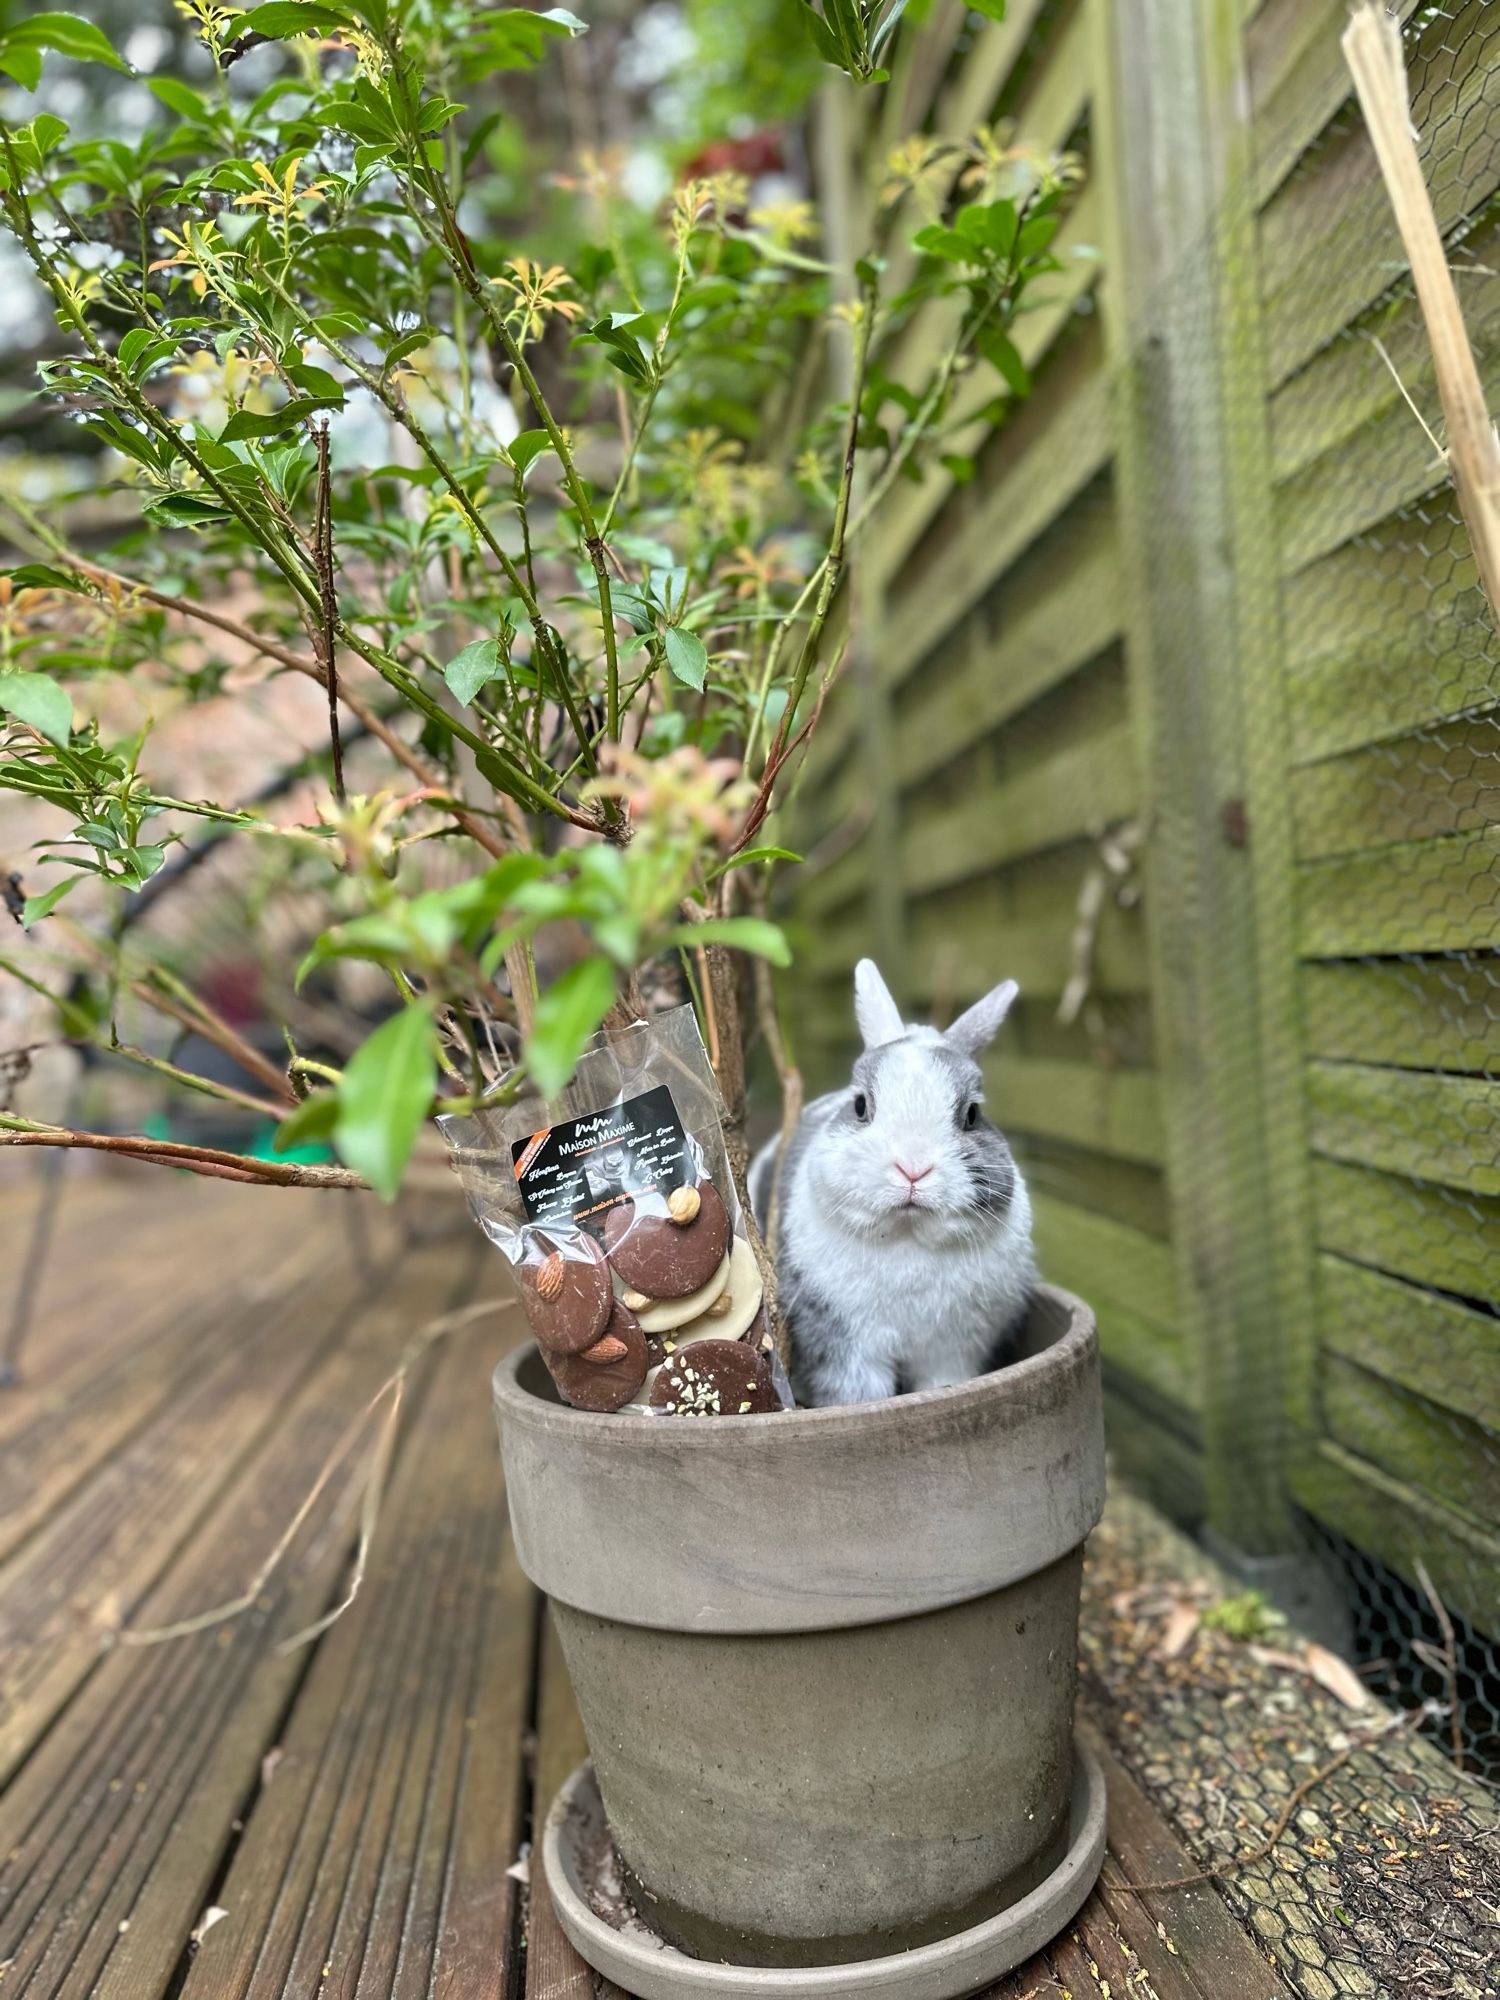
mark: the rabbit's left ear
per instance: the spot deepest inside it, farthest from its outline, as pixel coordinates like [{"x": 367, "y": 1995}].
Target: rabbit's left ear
[
  {"x": 877, "y": 1013},
  {"x": 975, "y": 1030}
]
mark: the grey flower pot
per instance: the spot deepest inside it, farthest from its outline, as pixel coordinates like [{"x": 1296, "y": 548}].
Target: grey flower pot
[{"x": 825, "y": 1661}]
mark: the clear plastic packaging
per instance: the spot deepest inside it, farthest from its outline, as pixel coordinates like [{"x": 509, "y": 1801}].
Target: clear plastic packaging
[{"x": 616, "y": 1212}]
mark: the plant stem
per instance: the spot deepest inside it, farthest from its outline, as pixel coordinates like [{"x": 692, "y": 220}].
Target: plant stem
[
  {"x": 207, "y": 1160},
  {"x": 454, "y": 246}
]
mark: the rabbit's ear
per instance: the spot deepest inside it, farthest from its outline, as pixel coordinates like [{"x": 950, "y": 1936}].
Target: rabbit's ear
[
  {"x": 976, "y": 1029},
  {"x": 878, "y": 1016}
]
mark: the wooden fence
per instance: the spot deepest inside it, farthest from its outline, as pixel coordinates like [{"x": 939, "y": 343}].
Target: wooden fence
[{"x": 1189, "y": 692}]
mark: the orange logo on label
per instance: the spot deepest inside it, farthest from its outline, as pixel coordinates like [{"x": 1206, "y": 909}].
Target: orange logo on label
[{"x": 533, "y": 1147}]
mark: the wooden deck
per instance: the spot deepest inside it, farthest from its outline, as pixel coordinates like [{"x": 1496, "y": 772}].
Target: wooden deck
[{"x": 213, "y": 1816}]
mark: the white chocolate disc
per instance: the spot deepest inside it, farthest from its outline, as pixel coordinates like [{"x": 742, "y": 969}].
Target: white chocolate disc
[
  {"x": 667, "y": 1313},
  {"x": 745, "y": 1295}
]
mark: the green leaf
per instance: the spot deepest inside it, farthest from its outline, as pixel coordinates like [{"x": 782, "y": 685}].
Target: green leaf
[
  {"x": 945, "y": 243},
  {"x": 991, "y": 225},
  {"x": 316, "y": 381},
  {"x": 37, "y": 907},
  {"x": 992, "y": 10},
  {"x": 526, "y": 446},
  {"x": 279, "y": 18},
  {"x": 467, "y": 672},
  {"x": 384, "y": 1096},
  {"x": 567, "y": 1015},
  {"x": 752, "y": 854},
  {"x": 66, "y": 35},
  {"x": 687, "y": 656},
  {"x": 752, "y": 934},
  {"x": 409, "y": 343},
  {"x": 177, "y": 96},
  {"x": 822, "y": 38},
  {"x": 184, "y": 510},
  {"x": 312, "y": 1121},
  {"x": 1002, "y": 354},
  {"x": 41, "y": 576},
  {"x": 25, "y": 65},
  {"x": 268, "y": 423},
  {"x": 41, "y": 702}
]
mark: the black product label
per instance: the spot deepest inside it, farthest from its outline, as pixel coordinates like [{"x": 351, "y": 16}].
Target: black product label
[{"x": 575, "y": 1171}]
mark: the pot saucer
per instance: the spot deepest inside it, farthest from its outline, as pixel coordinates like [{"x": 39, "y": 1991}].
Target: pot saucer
[{"x": 576, "y": 1855}]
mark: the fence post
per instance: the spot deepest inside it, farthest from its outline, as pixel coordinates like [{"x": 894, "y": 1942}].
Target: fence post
[{"x": 1159, "y": 161}]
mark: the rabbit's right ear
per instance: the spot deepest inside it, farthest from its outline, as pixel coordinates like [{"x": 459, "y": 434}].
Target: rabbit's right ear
[{"x": 878, "y": 1016}]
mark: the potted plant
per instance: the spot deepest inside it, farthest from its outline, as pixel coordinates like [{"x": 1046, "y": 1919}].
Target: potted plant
[{"x": 554, "y": 527}]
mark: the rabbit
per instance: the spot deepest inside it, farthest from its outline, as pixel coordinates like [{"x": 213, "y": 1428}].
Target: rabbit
[{"x": 904, "y": 1258}]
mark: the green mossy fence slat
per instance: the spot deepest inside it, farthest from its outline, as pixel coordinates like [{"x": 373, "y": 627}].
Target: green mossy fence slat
[{"x": 1207, "y": 590}]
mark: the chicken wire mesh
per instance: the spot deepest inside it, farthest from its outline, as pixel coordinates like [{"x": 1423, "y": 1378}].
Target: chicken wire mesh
[{"x": 1353, "y": 1214}]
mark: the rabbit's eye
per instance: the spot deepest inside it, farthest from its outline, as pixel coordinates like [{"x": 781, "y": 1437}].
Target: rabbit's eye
[
  {"x": 971, "y": 1117},
  {"x": 861, "y": 1107}
]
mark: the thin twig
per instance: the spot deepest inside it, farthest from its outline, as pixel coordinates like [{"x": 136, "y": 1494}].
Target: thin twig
[
  {"x": 206, "y": 1160},
  {"x": 328, "y": 622},
  {"x": 1393, "y": 1726},
  {"x": 391, "y": 1388},
  {"x": 1450, "y": 1661}
]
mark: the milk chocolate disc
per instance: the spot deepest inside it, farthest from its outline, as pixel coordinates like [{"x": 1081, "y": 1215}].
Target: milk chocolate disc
[
  {"x": 609, "y": 1382},
  {"x": 715, "y": 1378},
  {"x": 661, "y": 1257},
  {"x": 661, "y": 1315},
  {"x": 565, "y": 1289},
  {"x": 729, "y": 1314}
]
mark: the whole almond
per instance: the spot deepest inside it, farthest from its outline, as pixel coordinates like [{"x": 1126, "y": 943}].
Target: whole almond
[
  {"x": 604, "y": 1351},
  {"x": 683, "y": 1204},
  {"x": 549, "y": 1279}
]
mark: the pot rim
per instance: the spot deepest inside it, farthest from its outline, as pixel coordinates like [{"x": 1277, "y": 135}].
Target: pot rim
[
  {"x": 813, "y": 1519},
  {"x": 1070, "y": 1348}
]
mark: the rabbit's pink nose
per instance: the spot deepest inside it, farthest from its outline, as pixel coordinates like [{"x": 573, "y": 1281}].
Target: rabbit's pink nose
[{"x": 913, "y": 1174}]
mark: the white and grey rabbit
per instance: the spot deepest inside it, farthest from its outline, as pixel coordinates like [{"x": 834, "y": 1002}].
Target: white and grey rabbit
[{"x": 904, "y": 1256}]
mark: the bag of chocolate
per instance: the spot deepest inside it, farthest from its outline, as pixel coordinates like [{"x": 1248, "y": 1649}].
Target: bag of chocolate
[{"x": 616, "y": 1212}]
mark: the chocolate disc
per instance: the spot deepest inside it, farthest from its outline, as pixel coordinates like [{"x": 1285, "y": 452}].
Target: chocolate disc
[
  {"x": 606, "y": 1375},
  {"x": 565, "y": 1289},
  {"x": 715, "y": 1378},
  {"x": 662, "y": 1256},
  {"x": 730, "y": 1315}
]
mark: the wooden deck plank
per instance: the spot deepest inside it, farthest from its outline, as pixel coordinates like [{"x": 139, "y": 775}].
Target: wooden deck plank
[
  {"x": 71, "y": 1324},
  {"x": 99, "y": 1555},
  {"x": 121, "y": 1815},
  {"x": 381, "y": 1846},
  {"x": 1211, "y": 1948},
  {"x": 70, "y": 1421}
]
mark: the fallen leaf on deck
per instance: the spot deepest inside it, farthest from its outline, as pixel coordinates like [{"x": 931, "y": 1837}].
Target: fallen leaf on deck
[
  {"x": 1181, "y": 1626},
  {"x": 1337, "y": 1676}
]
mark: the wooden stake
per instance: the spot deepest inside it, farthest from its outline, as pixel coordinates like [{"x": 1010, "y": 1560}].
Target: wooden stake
[{"x": 1372, "y": 46}]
